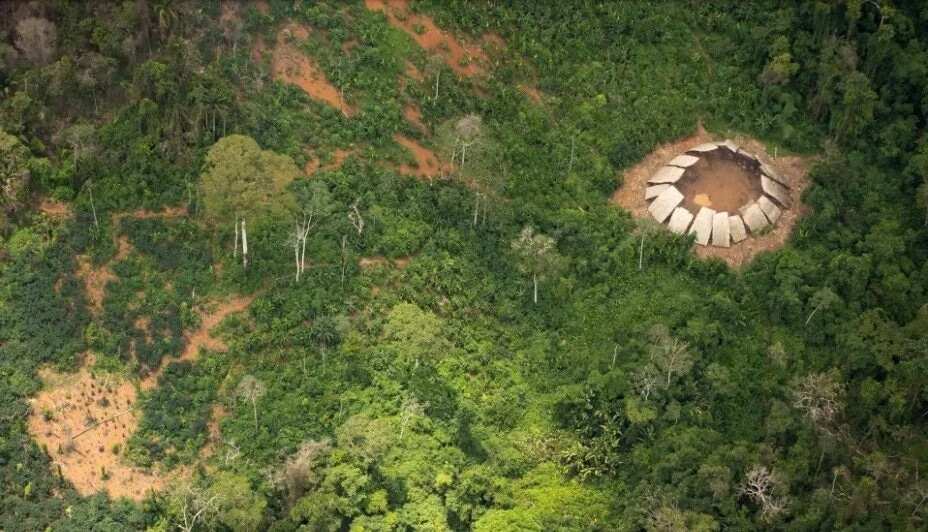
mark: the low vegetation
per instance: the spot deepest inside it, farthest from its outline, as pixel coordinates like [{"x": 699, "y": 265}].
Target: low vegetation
[{"x": 487, "y": 343}]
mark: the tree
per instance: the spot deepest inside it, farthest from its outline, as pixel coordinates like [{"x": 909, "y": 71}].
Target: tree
[
  {"x": 918, "y": 168},
  {"x": 241, "y": 180},
  {"x": 858, "y": 106},
  {"x": 314, "y": 203},
  {"x": 192, "y": 504},
  {"x": 669, "y": 517},
  {"x": 468, "y": 131},
  {"x": 36, "y": 38},
  {"x": 251, "y": 389},
  {"x": 15, "y": 176},
  {"x": 95, "y": 71},
  {"x": 647, "y": 228},
  {"x": 781, "y": 68},
  {"x": 822, "y": 299},
  {"x": 238, "y": 507},
  {"x": 414, "y": 333},
  {"x": 760, "y": 486},
  {"x": 410, "y": 410},
  {"x": 474, "y": 151},
  {"x": 82, "y": 139},
  {"x": 820, "y": 397},
  {"x": 299, "y": 472},
  {"x": 538, "y": 257},
  {"x": 667, "y": 357}
]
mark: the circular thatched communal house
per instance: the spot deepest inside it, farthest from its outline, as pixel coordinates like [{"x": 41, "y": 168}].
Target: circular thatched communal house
[{"x": 719, "y": 192}]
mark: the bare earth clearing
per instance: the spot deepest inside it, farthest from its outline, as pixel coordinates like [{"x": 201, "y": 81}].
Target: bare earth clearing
[
  {"x": 290, "y": 65},
  {"x": 85, "y": 419},
  {"x": 465, "y": 59},
  {"x": 718, "y": 182},
  {"x": 793, "y": 168}
]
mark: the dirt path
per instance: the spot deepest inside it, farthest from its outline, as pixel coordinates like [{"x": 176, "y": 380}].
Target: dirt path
[
  {"x": 290, "y": 65},
  {"x": 201, "y": 337},
  {"x": 794, "y": 168},
  {"x": 533, "y": 93},
  {"x": 427, "y": 164},
  {"x": 465, "y": 59},
  {"x": 84, "y": 420},
  {"x": 95, "y": 278},
  {"x": 338, "y": 159},
  {"x": 413, "y": 115}
]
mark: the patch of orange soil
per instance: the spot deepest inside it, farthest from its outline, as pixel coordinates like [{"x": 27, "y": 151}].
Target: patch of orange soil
[
  {"x": 83, "y": 421},
  {"x": 413, "y": 115},
  {"x": 94, "y": 279},
  {"x": 291, "y": 65},
  {"x": 338, "y": 159},
  {"x": 413, "y": 73},
  {"x": 143, "y": 323},
  {"x": 202, "y": 337},
  {"x": 214, "y": 433},
  {"x": 533, "y": 94},
  {"x": 427, "y": 163},
  {"x": 793, "y": 168},
  {"x": 55, "y": 209},
  {"x": 466, "y": 60}
]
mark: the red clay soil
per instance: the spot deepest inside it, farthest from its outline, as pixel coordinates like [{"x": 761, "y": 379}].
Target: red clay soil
[
  {"x": 84, "y": 421},
  {"x": 71, "y": 403},
  {"x": 793, "y": 168},
  {"x": 413, "y": 115},
  {"x": 412, "y": 72},
  {"x": 55, "y": 209},
  {"x": 202, "y": 337},
  {"x": 338, "y": 159},
  {"x": 719, "y": 182},
  {"x": 466, "y": 60},
  {"x": 533, "y": 94},
  {"x": 427, "y": 163},
  {"x": 95, "y": 278},
  {"x": 290, "y": 65}
]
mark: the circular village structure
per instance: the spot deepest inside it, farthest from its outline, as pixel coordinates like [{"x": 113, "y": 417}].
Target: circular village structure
[{"x": 718, "y": 192}]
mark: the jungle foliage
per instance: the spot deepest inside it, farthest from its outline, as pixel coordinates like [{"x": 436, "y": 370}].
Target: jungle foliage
[{"x": 440, "y": 393}]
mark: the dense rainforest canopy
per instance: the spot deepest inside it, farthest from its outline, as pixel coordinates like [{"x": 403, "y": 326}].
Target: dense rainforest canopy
[{"x": 354, "y": 266}]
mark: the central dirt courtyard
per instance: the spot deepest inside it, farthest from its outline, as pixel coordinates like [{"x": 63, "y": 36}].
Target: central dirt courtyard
[{"x": 719, "y": 181}]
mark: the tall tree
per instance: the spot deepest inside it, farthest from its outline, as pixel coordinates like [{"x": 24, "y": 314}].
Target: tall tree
[
  {"x": 251, "y": 389},
  {"x": 15, "y": 176},
  {"x": 243, "y": 181},
  {"x": 538, "y": 257},
  {"x": 415, "y": 333},
  {"x": 37, "y": 40},
  {"x": 314, "y": 203}
]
